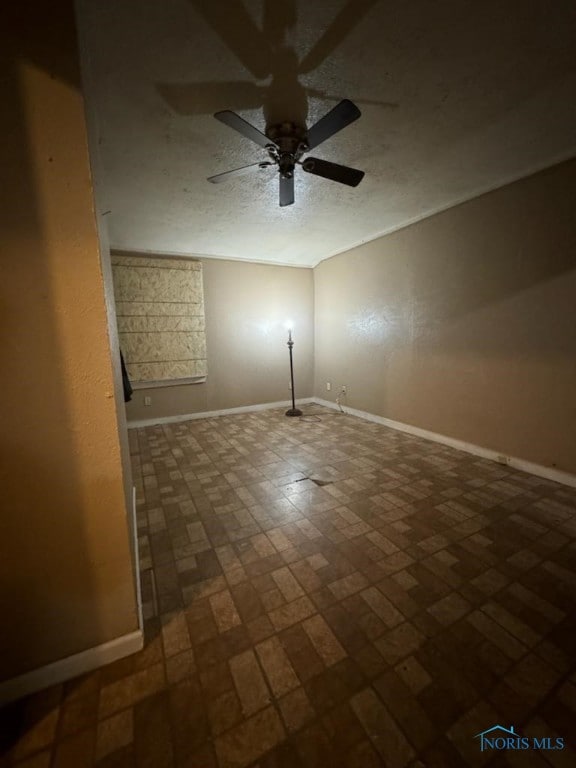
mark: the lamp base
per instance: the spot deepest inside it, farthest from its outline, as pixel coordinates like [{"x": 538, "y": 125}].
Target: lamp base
[{"x": 294, "y": 412}]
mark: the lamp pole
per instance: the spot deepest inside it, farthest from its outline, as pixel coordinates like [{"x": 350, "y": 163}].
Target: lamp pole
[{"x": 292, "y": 411}]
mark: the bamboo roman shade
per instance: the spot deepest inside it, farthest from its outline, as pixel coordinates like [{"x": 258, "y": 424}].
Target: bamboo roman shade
[{"x": 160, "y": 313}]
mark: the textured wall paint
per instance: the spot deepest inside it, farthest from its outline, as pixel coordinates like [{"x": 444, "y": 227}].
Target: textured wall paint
[
  {"x": 65, "y": 565},
  {"x": 246, "y": 307},
  {"x": 463, "y": 324}
]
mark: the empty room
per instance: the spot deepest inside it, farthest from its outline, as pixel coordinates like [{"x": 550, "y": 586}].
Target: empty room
[{"x": 289, "y": 353}]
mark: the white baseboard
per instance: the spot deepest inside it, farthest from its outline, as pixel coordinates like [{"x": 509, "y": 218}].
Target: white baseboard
[
  {"x": 213, "y": 414},
  {"x": 549, "y": 473},
  {"x": 70, "y": 667}
]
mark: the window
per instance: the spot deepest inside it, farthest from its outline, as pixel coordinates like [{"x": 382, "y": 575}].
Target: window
[{"x": 160, "y": 313}]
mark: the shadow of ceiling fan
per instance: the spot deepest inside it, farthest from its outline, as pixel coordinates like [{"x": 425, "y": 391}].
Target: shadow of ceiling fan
[
  {"x": 284, "y": 100},
  {"x": 266, "y": 55}
]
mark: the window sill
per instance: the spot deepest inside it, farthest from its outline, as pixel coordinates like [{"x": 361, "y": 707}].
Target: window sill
[{"x": 167, "y": 382}]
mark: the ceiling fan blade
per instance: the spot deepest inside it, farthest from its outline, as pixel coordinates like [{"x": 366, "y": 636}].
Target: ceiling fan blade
[
  {"x": 286, "y": 190},
  {"x": 238, "y": 172},
  {"x": 339, "y": 117},
  {"x": 239, "y": 124},
  {"x": 341, "y": 173}
]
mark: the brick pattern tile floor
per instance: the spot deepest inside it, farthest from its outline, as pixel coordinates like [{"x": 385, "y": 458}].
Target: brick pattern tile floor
[{"x": 327, "y": 592}]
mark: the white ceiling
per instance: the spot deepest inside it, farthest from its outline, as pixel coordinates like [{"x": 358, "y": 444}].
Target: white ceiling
[{"x": 457, "y": 97}]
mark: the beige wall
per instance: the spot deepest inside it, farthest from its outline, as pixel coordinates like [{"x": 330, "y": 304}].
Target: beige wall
[
  {"x": 464, "y": 324},
  {"x": 65, "y": 571},
  {"x": 246, "y": 308}
]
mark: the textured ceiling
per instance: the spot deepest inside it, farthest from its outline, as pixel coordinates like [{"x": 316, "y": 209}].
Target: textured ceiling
[{"x": 457, "y": 97}]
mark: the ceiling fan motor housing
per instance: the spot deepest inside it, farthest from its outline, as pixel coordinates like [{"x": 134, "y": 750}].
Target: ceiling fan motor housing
[{"x": 288, "y": 147}]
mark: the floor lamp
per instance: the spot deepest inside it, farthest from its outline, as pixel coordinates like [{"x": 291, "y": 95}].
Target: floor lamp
[{"x": 292, "y": 411}]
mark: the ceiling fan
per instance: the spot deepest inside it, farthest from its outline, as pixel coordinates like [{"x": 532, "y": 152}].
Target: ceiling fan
[{"x": 287, "y": 142}]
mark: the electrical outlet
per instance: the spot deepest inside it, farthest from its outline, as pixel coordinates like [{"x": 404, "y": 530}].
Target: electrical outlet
[
  {"x": 343, "y": 389},
  {"x": 328, "y": 386},
  {"x": 147, "y": 400}
]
